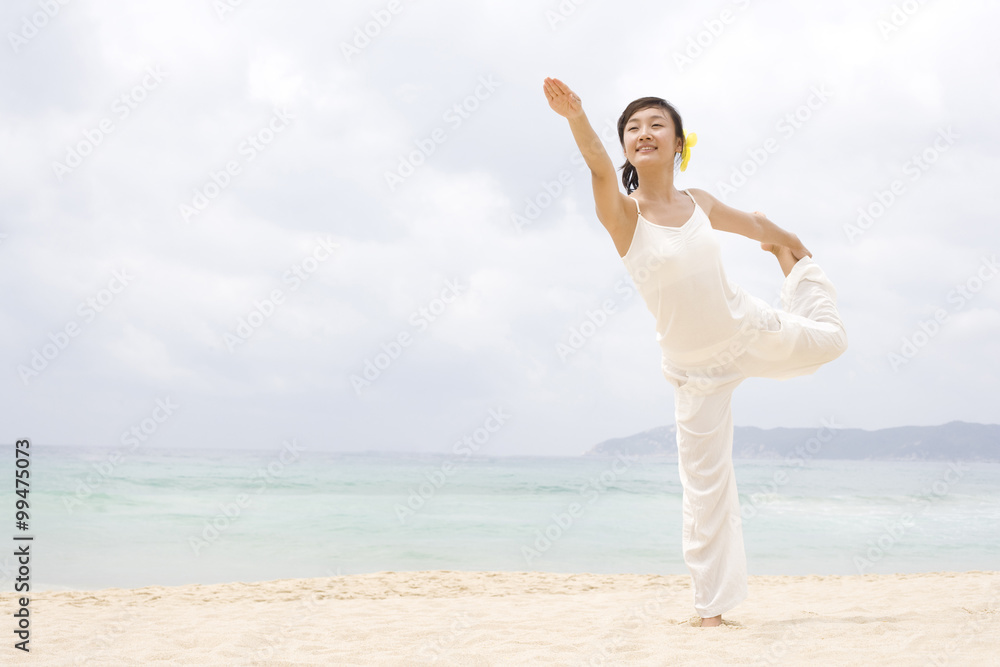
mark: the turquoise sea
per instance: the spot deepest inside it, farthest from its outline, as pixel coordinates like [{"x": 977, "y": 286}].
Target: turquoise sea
[{"x": 182, "y": 516}]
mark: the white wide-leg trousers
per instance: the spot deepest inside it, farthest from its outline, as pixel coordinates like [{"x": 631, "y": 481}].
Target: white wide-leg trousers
[{"x": 781, "y": 344}]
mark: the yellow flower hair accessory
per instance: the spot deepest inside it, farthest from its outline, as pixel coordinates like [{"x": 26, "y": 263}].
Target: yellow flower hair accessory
[{"x": 690, "y": 139}]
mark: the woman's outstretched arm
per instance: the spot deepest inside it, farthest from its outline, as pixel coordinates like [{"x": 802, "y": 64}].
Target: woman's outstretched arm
[
  {"x": 755, "y": 225},
  {"x": 609, "y": 200}
]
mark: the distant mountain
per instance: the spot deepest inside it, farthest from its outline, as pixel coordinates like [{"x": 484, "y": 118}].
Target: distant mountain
[{"x": 952, "y": 441}]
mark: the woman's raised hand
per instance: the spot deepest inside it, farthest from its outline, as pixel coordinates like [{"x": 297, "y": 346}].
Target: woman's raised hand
[{"x": 563, "y": 101}]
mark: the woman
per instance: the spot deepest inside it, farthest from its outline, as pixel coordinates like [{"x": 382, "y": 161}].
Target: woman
[{"x": 712, "y": 333}]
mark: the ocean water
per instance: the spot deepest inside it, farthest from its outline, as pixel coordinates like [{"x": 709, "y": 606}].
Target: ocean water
[{"x": 180, "y": 517}]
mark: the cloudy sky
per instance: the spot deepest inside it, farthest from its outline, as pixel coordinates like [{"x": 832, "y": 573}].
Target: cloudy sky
[{"x": 359, "y": 225}]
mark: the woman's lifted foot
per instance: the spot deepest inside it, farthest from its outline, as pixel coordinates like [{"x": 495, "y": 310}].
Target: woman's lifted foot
[{"x": 785, "y": 257}]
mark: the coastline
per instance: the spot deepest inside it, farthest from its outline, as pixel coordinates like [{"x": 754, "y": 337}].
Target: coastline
[{"x": 449, "y": 617}]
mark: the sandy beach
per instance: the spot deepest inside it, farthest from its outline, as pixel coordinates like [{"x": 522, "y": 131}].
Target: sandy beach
[{"x": 520, "y": 618}]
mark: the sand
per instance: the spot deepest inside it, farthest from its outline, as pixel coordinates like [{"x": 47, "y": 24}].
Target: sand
[{"x": 518, "y": 618}]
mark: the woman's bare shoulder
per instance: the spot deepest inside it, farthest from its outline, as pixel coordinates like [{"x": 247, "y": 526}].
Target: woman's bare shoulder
[{"x": 704, "y": 198}]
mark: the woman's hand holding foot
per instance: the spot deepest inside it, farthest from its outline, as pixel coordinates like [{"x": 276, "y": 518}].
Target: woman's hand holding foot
[{"x": 784, "y": 254}]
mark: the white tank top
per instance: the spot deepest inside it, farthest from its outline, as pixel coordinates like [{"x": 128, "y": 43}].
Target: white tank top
[{"x": 678, "y": 271}]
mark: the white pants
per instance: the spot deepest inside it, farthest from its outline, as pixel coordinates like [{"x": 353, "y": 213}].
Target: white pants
[{"x": 779, "y": 344}]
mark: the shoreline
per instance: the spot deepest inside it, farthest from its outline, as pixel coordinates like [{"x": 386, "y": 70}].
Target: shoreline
[
  {"x": 510, "y": 618},
  {"x": 421, "y": 574}
]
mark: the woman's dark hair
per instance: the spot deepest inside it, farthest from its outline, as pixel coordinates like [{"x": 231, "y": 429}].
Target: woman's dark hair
[{"x": 630, "y": 179}]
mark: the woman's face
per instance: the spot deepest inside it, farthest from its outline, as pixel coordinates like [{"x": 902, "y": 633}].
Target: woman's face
[{"x": 650, "y": 137}]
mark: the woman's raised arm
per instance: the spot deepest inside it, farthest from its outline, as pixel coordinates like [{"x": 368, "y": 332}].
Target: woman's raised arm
[
  {"x": 754, "y": 225},
  {"x": 610, "y": 202}
]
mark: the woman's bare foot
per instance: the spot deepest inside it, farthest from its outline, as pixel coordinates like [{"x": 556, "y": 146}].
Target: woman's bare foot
[
  {"x": 711, "y": 622},
  {"x": 785, "y": 257}
]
